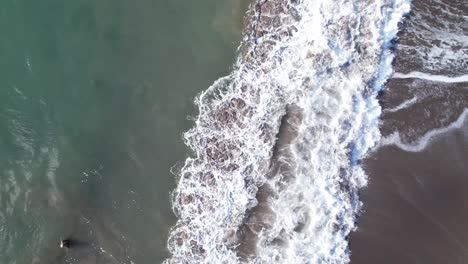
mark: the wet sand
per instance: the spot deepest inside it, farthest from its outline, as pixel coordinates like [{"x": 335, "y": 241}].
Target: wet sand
[{"x": 416, "y": 203}]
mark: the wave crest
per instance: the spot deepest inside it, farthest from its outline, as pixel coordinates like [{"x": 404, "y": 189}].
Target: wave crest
[{"x": 275, "y": 174}]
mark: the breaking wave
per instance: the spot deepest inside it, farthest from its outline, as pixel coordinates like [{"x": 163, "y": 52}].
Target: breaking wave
[{"x": 275, "y": 173}]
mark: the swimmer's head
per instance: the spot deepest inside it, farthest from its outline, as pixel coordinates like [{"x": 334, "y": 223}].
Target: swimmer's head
[{"x": 65, "y": 243}]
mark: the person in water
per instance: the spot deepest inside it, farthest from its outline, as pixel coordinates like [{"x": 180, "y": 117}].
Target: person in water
[{"x": 65, "y": 243}]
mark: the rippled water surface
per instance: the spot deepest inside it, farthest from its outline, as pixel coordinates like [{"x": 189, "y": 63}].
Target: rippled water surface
[{"x": 93, "y": 100}]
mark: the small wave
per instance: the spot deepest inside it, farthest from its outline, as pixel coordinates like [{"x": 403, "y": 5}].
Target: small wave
[
  {"x": 275, "y": 173},
  {"x": 404, "y": 105},
  {"x": 431, "y": 77},
  {"x": 423, "y": 142}
]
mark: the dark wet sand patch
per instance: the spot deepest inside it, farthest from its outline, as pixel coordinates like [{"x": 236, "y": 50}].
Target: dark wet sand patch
[{"x": 416, "y": 205}]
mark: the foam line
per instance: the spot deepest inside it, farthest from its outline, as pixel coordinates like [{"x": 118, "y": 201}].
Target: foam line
[
  {"x": 403, "y": 105},
  {"x": 424, "y": 141},
  {"x": 431, "y": 77}
]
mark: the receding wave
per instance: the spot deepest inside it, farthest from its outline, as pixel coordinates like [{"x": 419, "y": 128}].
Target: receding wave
[{"x": 275, "y": 173}]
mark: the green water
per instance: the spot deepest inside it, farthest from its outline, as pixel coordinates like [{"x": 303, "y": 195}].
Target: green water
[{"x": 94, "y": 97}]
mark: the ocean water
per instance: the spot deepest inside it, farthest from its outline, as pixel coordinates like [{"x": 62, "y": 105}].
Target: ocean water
[
  {"x": 336, "y": 134},
  {"x": 94, "y": 97}
]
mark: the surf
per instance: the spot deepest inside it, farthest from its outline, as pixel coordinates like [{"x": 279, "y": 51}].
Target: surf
[{"x": 275, "y": 171}]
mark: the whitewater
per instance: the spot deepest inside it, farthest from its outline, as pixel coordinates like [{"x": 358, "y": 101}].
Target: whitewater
[{"x": 277, "y": 144}]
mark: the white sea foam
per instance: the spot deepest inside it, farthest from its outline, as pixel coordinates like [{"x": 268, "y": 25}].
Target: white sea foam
[
  {"x": 404, "y": 105},
  {"x": 423, "y": 142},
  {"x": 440, "y": 47},
  {"x": 327, "y": 58},
  {"x": 431, "y": 77}
]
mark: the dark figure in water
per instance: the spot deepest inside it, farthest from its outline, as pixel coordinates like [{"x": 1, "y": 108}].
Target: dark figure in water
[{"x": 65, "y": 243}]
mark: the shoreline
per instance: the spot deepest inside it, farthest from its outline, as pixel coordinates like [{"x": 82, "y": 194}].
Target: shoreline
[{"x": 414, "y": 205}]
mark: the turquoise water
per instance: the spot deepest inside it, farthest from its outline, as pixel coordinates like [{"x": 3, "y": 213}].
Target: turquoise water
[{"x": 94, "y": 97}]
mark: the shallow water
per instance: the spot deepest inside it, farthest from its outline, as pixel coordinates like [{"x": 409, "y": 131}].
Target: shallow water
[
  {"x": 94, "y": 97},
  {"x": 415, "y": 205}
]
